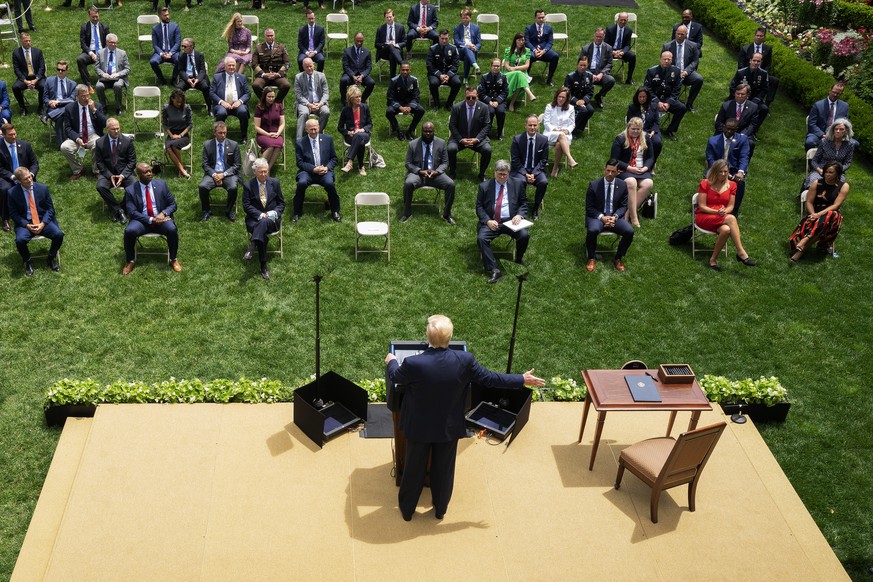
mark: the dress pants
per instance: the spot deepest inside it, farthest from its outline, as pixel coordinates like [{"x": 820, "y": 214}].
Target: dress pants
[
  {"x": 305, "y": 180},
  {"x": 607, "y": 82},
  {"x": 550, "y": 57},
  {"x": 417, "y": 112},
  {"x": 486, "y": 235},
  {"x": 70, "y": 150},
  {"x": 200, "y": 85},
  {"x": 677, "y": 110},
  {"x": 442, "y": 475},
  {"x": 368, "y": 85},
  {"x": 484, "y": 150},
  {"x": 622, "y": 228},
  {"x": 454, "y": 84},
  {"x": 394, "y": 55},
  {"x": 241, "y": 113},
  {"x": 18, "y": 89},
  {"x": 540, "y": 184},
  {"x": 136, "y": 229},
  {"x": 259, "y": 229},
  {"x": 356, "y": 146},
  {"x": 282, "y": 83},
  {"x": 207, "y": 184},
  {"x": 440, "y": 182},
  {"x": 51, "y": 231},
  {"x": 498, "y": 113},
  {"x": 117, "y": 85},
  {"x": 583, "y": 115},
  {"x": 104, "y": 188},
  {"x": 83, "y": 61},
  {"x": 695, "y": 82}
]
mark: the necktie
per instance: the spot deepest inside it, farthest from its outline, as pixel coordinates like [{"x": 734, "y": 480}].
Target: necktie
[
  {"x": 679, "y": 61},
  {"x": 192, "y": 70},
  {"x": 499, "y": 203},
  {"x": 219, "y": 161},
  {"x": 466, "y": 35},
  {"x": 757, "y": 48},
  {"x": 391, "y": 34},
  {"x": 13, "y": 151},
  {"x": 608, "y": 198},
  {"x": 62, "y": 83},
  {"x": 312, "y": 98},
  {"x": 34, "y": 215},
  {"x": 166, "y": 40},
  {"x": 263, "y": 195},
  {"x": 230, "y": 91},
  {"x": 149, "y": 203},
  {"x": 832, "y": 113},
  {"x": 109, "y": 67},
  {"x": 315, "y": 157},
  {"x": 359, "y": 57},
  {"x": 95, "y": 36},
  {"x": 428, "y": 160},
  {"x": 530, "y": 154},
  {"x": 595, "y": 66},
  {"x": 114, "y": 153},
  {"x": 470, "y": 120},
  {"x": 270, "y": 48},
  {"x": 311, "y": 40},
  {"x": 618, "y": 39},
  {"x": 727, "y": 148},
  {"x": 423, "y": 10},
  {"x": 29, "y": 62},
  {"x": 85, "y": 124},
  {"x": 539, "y": 31}
]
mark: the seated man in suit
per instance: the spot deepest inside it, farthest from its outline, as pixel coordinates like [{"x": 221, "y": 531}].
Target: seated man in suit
[
  {"x": 469, "y": 125},
  {"x": 468, "y": 41},
  {"x": 605, "y": 206},
  {"x": 5, "y": 112},
  {"x": 310, "y": 43},
  {"x": 442, "y": 69},
  {"x": 619, "y": 36},
  {"x": 665, "y": 81},
  {"x": 422, "y": 22},
  {"x": 695, "y": 31},
  {"x": 14, "y": 153},
  {"x": 538, "y": 37},
  {"x": 403, "y": 95},
  {"x": 166, "y": 42},
  {"x": 263, "y": 205},
  {"x": 581, "y": 85},
  {"x": 221, "y": 169},
  {"x": 33, "y": 214},
  {"x": 59, "y": 92},
  {"x": 766, "y": 52},
  {"x": 115, "y": 157},
  {"x": 498, "y": 201},
  {"x": 686, "y": 57},
  {"x": 271, "y": 63},
  {"x": 190, "y": 72},
  {"x": 230, "y": 93},
  {"x": 92, "y": 38},
  {"x": 740, "y": 109},
  {"x": 316, "y": 159},
  {"x": 758, "y": 82},
  {"x": 738, "y": 155},
  {"x": 823, "y": 113},
  {"x": 493, "y": 91},
  {"x": 29, "y": 67},
  {"x": 529, "y": 156},
  {"x": 113, "y": 69},
  {"x": 357, "y": 66},
  {"x": 390, "y": 42},
  {"x": 84, "y": 122},
  {"x": 312, "y": 95},
  {"x": 426, "y": 163},
  {"x": 150, "y": 206},
  {"x": 599, "y": 55}
]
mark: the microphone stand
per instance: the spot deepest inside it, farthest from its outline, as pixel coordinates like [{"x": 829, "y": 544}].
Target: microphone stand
[
  {"x": 521, "y": 278},
  {"x": 317, "y": 279}
]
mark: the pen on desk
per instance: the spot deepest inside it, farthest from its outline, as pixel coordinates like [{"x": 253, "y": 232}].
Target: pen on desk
[{"x": 649, "y": 374}]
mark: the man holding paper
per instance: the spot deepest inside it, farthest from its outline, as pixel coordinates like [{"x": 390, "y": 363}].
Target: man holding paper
[{"x": 501, "y": 206}]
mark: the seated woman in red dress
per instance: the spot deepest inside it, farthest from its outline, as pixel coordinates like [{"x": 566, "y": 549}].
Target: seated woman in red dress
[
  {"x": 715, "y": 201},
  {"x": 822, "y": 224}
]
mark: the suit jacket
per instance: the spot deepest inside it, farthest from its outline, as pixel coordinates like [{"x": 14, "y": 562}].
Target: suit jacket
[
  {"x": 665, "y": 84},
  {"x": 26, "y": 158},
  {"x": 518, "y": 153},
  {"x": 18, "y": 205},
  {"x": 125, "y": 155},
  {"x": 271, "y": 61},
  {"x": 729, "y": 111},
  {"x": 475, "y": 36},
  {"x": 695, "y": 33},
  {"x": 174, "y": 36},
  {"x": 481, "y": 124},
  {"x": 414, "y": 19},
  {"x": 691, "y": 55},
  {"x": 612, "y": 34},
  {"x": 623, "y": 154},
  {"x": 442, "y": 60},
  {"x": 758, "y": 81},
  {"x": 533, "y": 41},
  {"x": 748, "y": 51},
  {"x": 493, "y": 88},
  {"x": 232, "y": 158},
  {"x": 651, "y": 116},
  {"x": 818, "y": 115},
  {"x": 415, "y": 156},
  {"x": 605, "y": 57},
  {"x": 251, "y": 202},
  {"x": 4, "y": 96},
  {"x": 580, "y": 86},
  {"x": 403, "y": 92},
  {"x": 595, "y": 198},
  {"x": 85, "y": 36},
  {"x": 317, "y": 39},
  {"x": 301, "y": 88},
  {"x": 73, "y": 122},
  {"x": 354, "y": 67},
  {"x": 486, "y": 199},
  {"x": 326, "y": 151},
  {"x": 382, "y": 36},
  {"x": 738, "y": 156},
  {"x": 179, "y": 71},
  {"x": 218, "y": 86},
  {"x": 134, "y": 200},
  {"x": 435, "y": 384},
  {"x": 121, "y": 66},
  {"x": 53, "y": 91},
  {"x": 347, "y": 120},
  {"x": 19, "y": 63}
]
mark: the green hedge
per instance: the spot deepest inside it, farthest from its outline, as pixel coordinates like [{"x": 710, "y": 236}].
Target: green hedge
[
  {"x": 797, "y": 77},
  {"x": 854, "y": 15}
]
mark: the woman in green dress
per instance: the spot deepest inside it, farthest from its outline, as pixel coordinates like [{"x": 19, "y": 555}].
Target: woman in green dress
[{"x": 516, "y": 62}]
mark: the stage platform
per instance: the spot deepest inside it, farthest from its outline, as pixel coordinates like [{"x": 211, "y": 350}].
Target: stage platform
[{"x": 236, "y": 492}]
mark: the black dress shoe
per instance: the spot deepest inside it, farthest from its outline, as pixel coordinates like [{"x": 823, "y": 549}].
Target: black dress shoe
[
  {"x": 44, "y": 119},
  {"x": 53, "y": 263},
  {"x": 115, "y": 216},
  {"x": 598, "y": 102},
  {"x": 206, "y": 216},
  {"x": 336, "y": 216},
  {"x": 401, "y": 136},
  {"x": 231, "y": 215},
  {"x": 265, "y": 273},
  {"x": 495, "y": 276},
  {"x": 692, "y": 109},
  {"x": 24, "y": 112},
  {"x": 119, "y": 110},
  {"x": 404, "y": 218},
  {"x": 32, "y": 29},
  {"x": 28, "y": 269},
  {"x": 122, "y": 217},
  {"x": 450, "y": 219},
  {"x": 535, "y": 215},
  {"x": 250, "y": 252},
  {"x": 406, "y": 516},
  {"x": 747, "y": 261},
  {"x": 481, "y": 177},
  {"x": 670, "y": 135},
  {"x": 550, "y": 83},
  {"x": 295, "y": 218},
  {"x": 6, "y": 225},
  {"x": 439, "y": 515}
]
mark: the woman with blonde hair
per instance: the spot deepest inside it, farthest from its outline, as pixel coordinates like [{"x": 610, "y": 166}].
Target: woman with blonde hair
[
  {"x": 635, "y": 154},
  {"x": 239, "y": 44},
  {"x": 355, "y": 125},
  {"x": 715, "y": 201},
  {"x": 559, "y": 120}
]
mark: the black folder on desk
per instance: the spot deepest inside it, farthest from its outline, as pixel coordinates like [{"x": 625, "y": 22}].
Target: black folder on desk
[{"x": 642, "y": 389}]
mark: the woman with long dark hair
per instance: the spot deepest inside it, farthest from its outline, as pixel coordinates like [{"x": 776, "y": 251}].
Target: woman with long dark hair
[
  {"x": 559, "y": 120},
  {"x": 270, "y": 125},
  {"x": 177, "y": 124},
  {"x": 823, "y": 201},
  {"x": 645, "y": 106}
]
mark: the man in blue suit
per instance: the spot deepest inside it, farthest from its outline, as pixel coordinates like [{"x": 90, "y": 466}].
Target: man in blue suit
[
  {"x": 166, "y": 42},
  {"x": 686, "y": 56},
  {"x": 5, "y": 112},
  {"x": 33, "y": 214},
  {"x": 498, "y": 201},
  {"x": 538, "y": 37},
  {"x": 316, "y": 159},
  {"x": 605, "y": 207},
  {"x": 310, "y": 43},
  {"x": 230, "y": 93},
  {"x": 59, "y": 92},
  {"x": 735, "y": 149},
  {"x": 14, "y": 153},
  {"x": 821, "y": 116},
  {"x": 529, "y": 155},
  {"x": 150, "y": 207},
  {"x": 468, "y": 40},
  {"x": 263, "y": 204},
  {"x": 422, "y": 23},
  {"x": 434, "y": 385},
  {"x": 619, "y": 36}
]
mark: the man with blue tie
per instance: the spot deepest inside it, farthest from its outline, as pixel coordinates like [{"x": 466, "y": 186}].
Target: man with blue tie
[
  {"x": 221, "y": 168},
  {"x": 599, "y": 55},
  {"x": 60, "y": 91},
  {"x": 229, "y": 93},
  {"x": 14, "y": 153},
  {"x": 310, "y": 43},
  {"x": 735, "y": 149},
  {"x": 33, "y": 214},
  {"x": 113, "y": 69},
  {"x": 500, "y": 200},
  {"x": 357, "y": 66},
  {"x": 316, "y": 159},
  {"x": 263, "y": 204},
  {"x": 426, "y": 163},
  {"x": 312, "y": 94},
  {"x": 92, "y": 38},
  {"x": 686, "y": 57},
  {"x": 538, "y": 37},
  {"x": 166, "y": 42},
  {"x": 529, "y": 156},
  {"x": 150, "y": 206},
  {"x": 619, "y": 37},
  {"x": 605, "y": 207}
]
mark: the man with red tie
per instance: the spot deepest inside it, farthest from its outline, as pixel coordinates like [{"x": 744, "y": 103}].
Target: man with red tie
[
  {"x": 500, "y": 200},
  {"x": 150, "y": 207},
  {"x": 116, "y": 160},
  {"x": 85, "y": 122},
  {"x": 33, "y": 214},
  {"x": 422, "y": 22}
]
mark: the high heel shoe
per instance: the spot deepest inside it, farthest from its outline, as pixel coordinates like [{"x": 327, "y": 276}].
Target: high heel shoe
[
  {"x": 362, "y": 171},
  {"x": 348, "y": 167},
  {"x": 573, "y": 165},
  {"x": 747, "y": 261}
]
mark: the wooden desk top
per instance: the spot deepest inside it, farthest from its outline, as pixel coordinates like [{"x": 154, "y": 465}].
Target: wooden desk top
[{"x": 609, "y": 391}]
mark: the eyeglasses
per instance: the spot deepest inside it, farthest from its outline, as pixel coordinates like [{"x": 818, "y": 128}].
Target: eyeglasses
[{"x": 62, "y": 70}]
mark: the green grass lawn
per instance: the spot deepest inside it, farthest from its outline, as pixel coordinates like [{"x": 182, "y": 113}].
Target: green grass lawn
[{"x": 808, "y": 324}]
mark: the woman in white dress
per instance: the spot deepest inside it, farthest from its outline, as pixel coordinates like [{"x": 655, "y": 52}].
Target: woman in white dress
[{"x": 559, "y": 120}]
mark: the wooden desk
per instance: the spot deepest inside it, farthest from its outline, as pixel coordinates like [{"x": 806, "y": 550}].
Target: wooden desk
[{"x": 608, "y": 390}]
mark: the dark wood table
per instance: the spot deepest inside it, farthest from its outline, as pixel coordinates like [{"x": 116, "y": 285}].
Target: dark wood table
[{"x": 607, "y": 390}]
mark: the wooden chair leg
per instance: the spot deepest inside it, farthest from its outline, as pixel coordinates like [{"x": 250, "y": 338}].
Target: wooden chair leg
[
  {"x": 620, "y": 474},
  {"x": 692, "y": 493},
  {"x": 656, "y": 496}
]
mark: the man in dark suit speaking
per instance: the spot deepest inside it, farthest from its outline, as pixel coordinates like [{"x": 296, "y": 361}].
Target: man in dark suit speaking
[
  {"x": 605, "y": 207},
  {"x": 500, "y": 200},
  {"x": 432, "y": 414}
]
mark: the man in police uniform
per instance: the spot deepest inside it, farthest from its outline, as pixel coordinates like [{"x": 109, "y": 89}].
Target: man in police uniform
[
  {"x": 403, "y": 96},
  {"x": 493, "y": 91},
  {"x": 758, "y": 81},
  {"x": 581, "y": 85},
  {"x": 271, "y": 62},
  {"x": 442, "y": 69},
  {"x": 665, "y": 81}
]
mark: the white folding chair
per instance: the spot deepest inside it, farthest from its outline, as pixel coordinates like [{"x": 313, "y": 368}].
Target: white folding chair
[
  {"x": 144, "y": 93},
  {"x": 250, "y": 20},
  {"x": 40, "y": 237},
  {"x": 340, "y": 21},
  {"x": 436, "y": 200},
  {"x": 373, "y": 228},
  {"x": 555, "y": 20},
  {"x": 810, "y": 154},
  {"x": 140, "y": 249},
  {"x": 698, "y": 232},
  {"x": 488, "y": 19},
  {"x": 144, "y": 24},
  {"x": 284, "y": 147}
]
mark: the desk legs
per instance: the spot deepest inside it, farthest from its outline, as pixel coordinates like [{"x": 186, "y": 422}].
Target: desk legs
[
  {"x": 584, "y": 416},
  {"x": 692, "y": 424},
  {"x": 601, "y": 419},
  {"x": 670, "y": 424}
]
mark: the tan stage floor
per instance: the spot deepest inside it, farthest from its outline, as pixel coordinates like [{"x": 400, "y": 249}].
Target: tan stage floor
[{"x": 236, "y": 492}]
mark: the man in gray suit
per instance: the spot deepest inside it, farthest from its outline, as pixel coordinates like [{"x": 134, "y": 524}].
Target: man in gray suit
[
  {"x": 113, "y": 69},
  {"x": 310, "y": 88},
  {"x": 426, "y": 163},
  {"x": 221, "y": 167}
]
